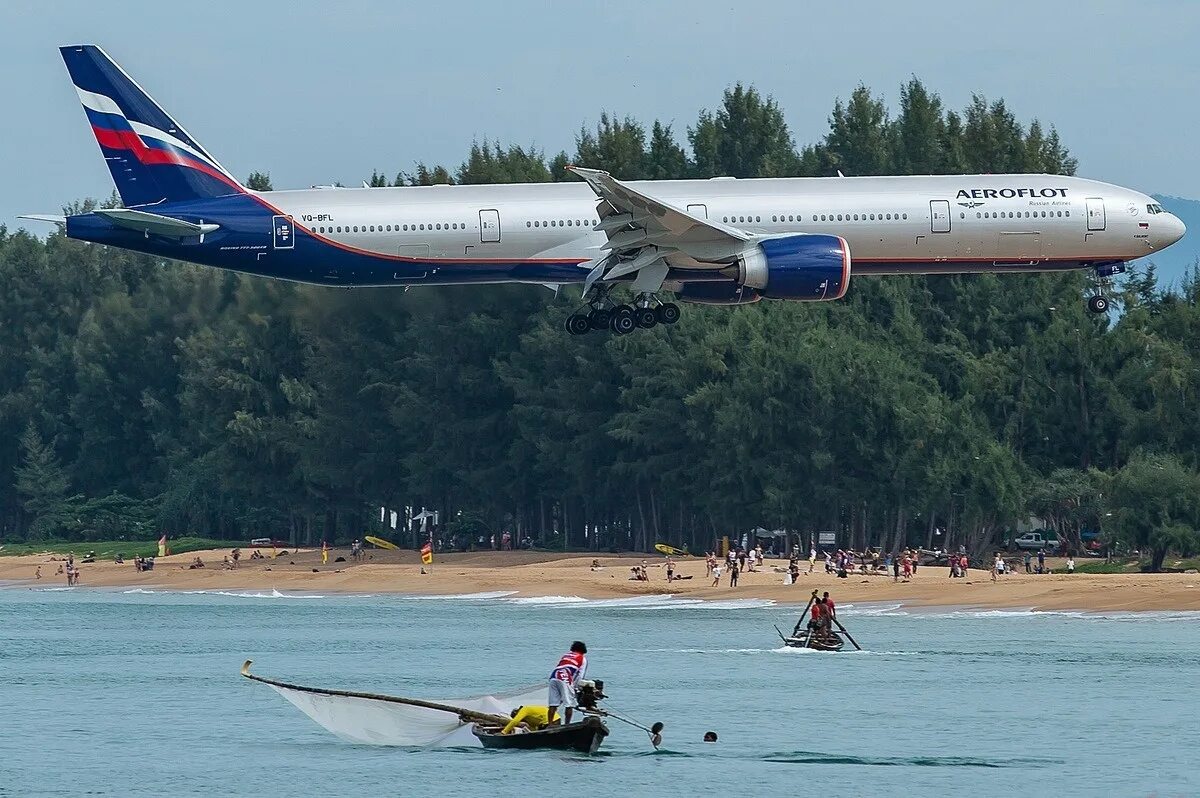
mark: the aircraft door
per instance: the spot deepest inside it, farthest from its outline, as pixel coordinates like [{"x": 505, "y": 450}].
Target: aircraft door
[
  {"x": 283, "y": 235},
  {"x": 700, "y": 211},
  {"x": 1095, "y": 213},
  {"x": 489, "y": 226},
  {"x": 939, "y": 216}
]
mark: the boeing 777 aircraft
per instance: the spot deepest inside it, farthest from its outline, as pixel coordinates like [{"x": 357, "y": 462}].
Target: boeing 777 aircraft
[{"x": 721, "y": 241}]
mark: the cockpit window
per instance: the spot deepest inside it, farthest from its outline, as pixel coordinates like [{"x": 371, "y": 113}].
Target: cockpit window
[{"x": 1154, "y": 208}]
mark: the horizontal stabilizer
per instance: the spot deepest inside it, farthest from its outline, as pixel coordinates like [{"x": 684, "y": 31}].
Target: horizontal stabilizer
[
  {"x": 154, "y": 223},
  {"x": 61, "y": 221}
]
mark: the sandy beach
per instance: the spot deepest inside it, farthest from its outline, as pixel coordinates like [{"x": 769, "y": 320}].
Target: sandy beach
[{"x": 548, "y": 574}]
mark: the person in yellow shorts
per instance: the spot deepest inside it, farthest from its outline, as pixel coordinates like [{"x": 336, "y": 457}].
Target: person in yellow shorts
[{"x": 532, "y": 716}]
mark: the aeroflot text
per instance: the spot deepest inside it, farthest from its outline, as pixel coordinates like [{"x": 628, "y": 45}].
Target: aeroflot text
[{"x": 1009, "y": 193}]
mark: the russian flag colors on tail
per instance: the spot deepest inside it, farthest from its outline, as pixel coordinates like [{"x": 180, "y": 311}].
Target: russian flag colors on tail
[{"x": 151, "y": 157}]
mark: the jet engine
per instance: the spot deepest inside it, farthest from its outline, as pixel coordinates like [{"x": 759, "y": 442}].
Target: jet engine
[
  {"x": 802, "y": 268},
  {"x": 721, "y": 292}
]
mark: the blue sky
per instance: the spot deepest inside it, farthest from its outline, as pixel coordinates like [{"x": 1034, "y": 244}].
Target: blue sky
[{"x": 322, "y": 92}]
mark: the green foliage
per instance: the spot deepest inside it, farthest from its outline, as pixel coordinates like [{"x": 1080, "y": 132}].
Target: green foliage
[
  {"x": 259, "y": 181},
  {"x": 42, "y": 484},
  {"x": 127, "y": 548},
  {"x": 1157, "y": 501},
  {"x": 182, "y": 399}
]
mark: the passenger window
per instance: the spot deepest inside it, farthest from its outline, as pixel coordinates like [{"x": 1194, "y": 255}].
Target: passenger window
[{"x": 906, "y": 216}]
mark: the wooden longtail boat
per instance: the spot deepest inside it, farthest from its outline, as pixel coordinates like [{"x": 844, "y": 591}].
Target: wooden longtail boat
[{"x": 584, "y": 737}]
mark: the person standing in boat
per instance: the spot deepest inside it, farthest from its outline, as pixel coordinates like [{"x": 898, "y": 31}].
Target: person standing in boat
[
  {"x": 829, "y": 613},
  {"x": 571, "y": 668}
]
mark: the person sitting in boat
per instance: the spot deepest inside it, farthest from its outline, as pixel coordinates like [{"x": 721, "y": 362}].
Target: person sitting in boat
[
  {"x": 527, "y": 719},
  {"x": 570, "y": 670}
]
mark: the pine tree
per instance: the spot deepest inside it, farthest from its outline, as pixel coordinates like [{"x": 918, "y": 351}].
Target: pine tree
[
  {"x": 259, "y": 181},
  {"x": 42, "y": 483}
]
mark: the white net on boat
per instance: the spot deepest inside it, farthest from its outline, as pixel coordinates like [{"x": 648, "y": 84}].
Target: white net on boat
[{"x": 371, "y": 721}]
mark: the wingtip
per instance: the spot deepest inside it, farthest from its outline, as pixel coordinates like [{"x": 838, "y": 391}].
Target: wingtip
[{"x": 246, "y": 667}]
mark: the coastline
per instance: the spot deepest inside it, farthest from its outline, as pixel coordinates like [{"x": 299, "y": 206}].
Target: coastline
[{"x": 537, "y": 574}]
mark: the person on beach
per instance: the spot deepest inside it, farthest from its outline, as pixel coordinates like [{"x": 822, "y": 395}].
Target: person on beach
[
  {"x": 794, "y": 572},
  {"x": 1028, "y": 563},
  {"x": 963, "y": 564},
  {"x": 670, "y": 569},
  {"x": 1041, "y": 561},
  {"x": 571, "y": 668},
  {"x": 38, "y": 573},
  {"x": 914, "y": 563},
  {"x": 1071, "y": 564},
  {"x": 906, "y": 566},
  {"x": 716, "y": 575},
  {"x": 812, "y": 558},
  {"x": 895, "y": 568},
  {"x": 996, "y": 566}
]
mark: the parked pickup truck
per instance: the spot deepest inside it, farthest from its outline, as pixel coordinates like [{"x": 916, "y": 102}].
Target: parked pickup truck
[{"x": 1035, "y": 541}]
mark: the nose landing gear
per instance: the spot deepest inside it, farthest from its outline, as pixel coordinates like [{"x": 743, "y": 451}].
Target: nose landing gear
[{"x": 1098, "y": 303}]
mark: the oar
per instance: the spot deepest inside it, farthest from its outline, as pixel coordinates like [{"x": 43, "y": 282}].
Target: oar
[
  {"x": 466, "y": 715},
  {"x": 847, "y": 634},
  {"x": 654, "y": 731}
]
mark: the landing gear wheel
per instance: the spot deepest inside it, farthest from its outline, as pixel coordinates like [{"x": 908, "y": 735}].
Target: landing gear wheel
[
  {"x": 578, "y": 324},
  {"x": 1098, "y": 304},
  {"x": 667, "y": 313},
  {"x": 600, "y": 318},
  {"x": 622, "y": 322},
  {"x": 645, "y": 317}
]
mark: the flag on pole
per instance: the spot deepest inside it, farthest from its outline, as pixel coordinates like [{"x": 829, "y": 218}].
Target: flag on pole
[
  {"x": 427, "y": 553},
  {"x": 324, "y": 552},
  {"x": 162, "y": 546}
]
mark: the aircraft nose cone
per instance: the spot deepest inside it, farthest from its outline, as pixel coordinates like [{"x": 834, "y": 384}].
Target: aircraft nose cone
[{"x": 1178, "y": 229}]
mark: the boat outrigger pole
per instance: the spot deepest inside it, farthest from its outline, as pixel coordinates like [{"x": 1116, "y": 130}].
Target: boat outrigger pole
[{"x": 466, "y": 715}]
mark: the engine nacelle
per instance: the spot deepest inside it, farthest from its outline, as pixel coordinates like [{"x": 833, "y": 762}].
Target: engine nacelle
[
  {"x": 720, "y": 292},
  {"x": 803, "y": 268}
]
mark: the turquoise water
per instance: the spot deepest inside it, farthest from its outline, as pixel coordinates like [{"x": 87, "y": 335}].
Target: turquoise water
[{"x": 131, "y": 694}]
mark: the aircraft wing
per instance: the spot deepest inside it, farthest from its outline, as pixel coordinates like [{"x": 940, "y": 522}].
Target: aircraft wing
[
  {"x": 646, "y": 234},
  {"x": 154, "y": 223}
]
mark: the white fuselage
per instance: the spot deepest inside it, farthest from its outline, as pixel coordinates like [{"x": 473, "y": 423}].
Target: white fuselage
[{"x": 894, "y": 225}]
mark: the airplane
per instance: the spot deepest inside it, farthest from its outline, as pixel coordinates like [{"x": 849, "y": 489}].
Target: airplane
[{"x": 721, "y": 241}]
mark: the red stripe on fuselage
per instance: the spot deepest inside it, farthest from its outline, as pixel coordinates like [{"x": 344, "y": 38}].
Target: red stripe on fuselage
[{"x": 845, "y": 268}]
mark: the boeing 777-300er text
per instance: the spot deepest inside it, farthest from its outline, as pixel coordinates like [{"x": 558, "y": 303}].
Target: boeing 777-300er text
[{"x": 721, "y": 241}]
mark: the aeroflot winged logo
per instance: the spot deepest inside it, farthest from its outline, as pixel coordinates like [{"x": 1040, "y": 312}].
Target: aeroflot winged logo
[{"x": 1009, "y": 193}]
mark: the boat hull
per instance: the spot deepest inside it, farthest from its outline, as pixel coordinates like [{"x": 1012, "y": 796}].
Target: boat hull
[
  {"x": 828, "y": 641},
  {"x": 584, "y": 737}
]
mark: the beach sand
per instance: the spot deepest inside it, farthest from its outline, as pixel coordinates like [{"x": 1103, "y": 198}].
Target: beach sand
[{"x": 547, "y": 574}]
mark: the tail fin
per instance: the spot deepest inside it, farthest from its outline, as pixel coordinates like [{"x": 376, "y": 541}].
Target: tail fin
[{"x": 151, "y": 157}]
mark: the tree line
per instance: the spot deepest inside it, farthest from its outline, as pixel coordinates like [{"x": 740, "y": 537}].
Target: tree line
[{"x": 139, "y": 396}]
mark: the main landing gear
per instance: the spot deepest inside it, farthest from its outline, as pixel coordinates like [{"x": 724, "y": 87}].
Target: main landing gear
[
  {"x": 601, "y": 314},
  {"x": 1098, "y": 303}
]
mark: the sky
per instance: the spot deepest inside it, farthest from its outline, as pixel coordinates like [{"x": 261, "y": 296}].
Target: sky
[{"x": 315, "y": 93}]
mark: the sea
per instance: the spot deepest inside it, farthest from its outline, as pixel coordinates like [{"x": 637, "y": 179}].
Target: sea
[{"x": 136, "y": 692}]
